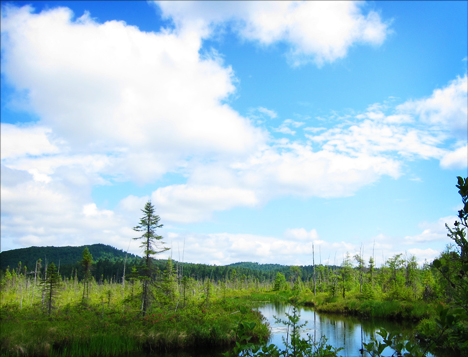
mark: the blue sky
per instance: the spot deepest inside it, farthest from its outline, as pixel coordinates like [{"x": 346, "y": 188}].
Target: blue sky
[{"x": 255, "y": 128}]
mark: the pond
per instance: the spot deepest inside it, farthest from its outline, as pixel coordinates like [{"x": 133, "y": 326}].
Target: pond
[{"x": 340, "y": 331}]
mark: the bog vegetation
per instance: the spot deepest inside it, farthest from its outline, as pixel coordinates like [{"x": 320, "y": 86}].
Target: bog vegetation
[{"x": 121, "y": 303}]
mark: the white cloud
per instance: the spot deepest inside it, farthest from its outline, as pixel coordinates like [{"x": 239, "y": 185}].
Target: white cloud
[
  {"x": 445, "y": 109},
  {"x": 314, "y": 129},
  {"x": 57, "y": 213},
  {"x": 76, "y": 169},
  {"x": 301, "y": 234},
  {"x": 317, "y": 31},
  {"x": 432, "y": 231},
  {"x": 226, "y": 248},
  {"x": 271, "y": 113},
  {"x": 285, "y": 130},
  {"x": 21, "y": 141},
  {"x": 111, "y": 88},
  {"x": 91, "y": 210},
  {"x": 376, "y": 138},
  {"x": 416, "y": 129},
  {"x": 118, "y": 103},
  {"x": 285, "y": 126},
  {"x": 260, "y": 115},
  {"x": 193, "y": 203},
  {"x": 296, "y": 169},
  {"x": 423, "y": 255},
  {"x": 457, "y": 159}
]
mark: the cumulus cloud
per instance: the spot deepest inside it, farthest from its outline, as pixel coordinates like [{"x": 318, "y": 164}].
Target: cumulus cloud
[
  {"x": 30, "y": 140},
  {"x": 301, "y": 234},
  {"x": 226, "y": 248},
  {"x": 424, "y": 255},
  {"x": 116, "y": 103},
  {"x": 115, "y": 89},
  {"x": 295, "y": 169},
  {"x": 315, "y": 31},
  {"x": 457, "y": 159},
  {"x": 39, "y": 213},
  {"x": 445, "y": 109},
  {"x": 415, "y": 129},
  {"x": 193, "y": 203},
  {"x": 432, "y": 231}
]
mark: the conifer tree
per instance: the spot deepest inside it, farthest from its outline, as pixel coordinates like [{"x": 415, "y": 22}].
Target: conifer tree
[
  {"x": 151, "y": 244},
  {"x": 51, "y": 284},
  {"x": 86, "y": 263},
  {"x": 169, "y": 286}
]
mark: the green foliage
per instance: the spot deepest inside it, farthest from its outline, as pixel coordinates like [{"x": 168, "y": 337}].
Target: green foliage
[
  {"x": 168, "y": 291},
  {"x": 108, "y": 326},
  {"x": 151, "y": 244},
  {"x": 280, "y": 282},
  {"x": 86, "y": 264},
  {"x": 50, "y": 285},
  {"x": 401, "y": 348},
  {"x": 345, "y": 275},
  {"x": 68, "y": 256},
  {"x": 452, "y": 266}
]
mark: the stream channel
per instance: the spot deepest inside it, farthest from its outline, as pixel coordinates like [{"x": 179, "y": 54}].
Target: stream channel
[{"x": 341, "y": 331}]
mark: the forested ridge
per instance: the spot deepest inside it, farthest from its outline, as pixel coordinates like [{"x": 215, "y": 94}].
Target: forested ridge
[
  {"x": 61, "y": 255},
  {"x": 109, "y": 263}
]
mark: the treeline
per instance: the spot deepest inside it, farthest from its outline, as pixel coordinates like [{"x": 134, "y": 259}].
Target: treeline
[
  {"x": 399, "y": 278},
  {"x": 61, "y": 256},
  {"x": 109, "y": 265}
]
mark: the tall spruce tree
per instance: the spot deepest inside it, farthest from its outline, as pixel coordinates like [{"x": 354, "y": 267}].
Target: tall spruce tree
[
  {"x": 86, "y": 263},
  {"x": 51, "y": 284},
  {"x": 152, "y": 244}
]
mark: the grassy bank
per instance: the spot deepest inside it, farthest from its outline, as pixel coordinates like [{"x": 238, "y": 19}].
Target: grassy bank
[
  {"x": 94, "y": 331},
  {"x": 393, "y": 310},
  {"x": 353, "y": 305}
]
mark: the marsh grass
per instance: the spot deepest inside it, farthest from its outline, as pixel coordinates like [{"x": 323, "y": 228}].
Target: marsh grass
[
  {"x": 87, "y": 331},
  {"x": 397, "y": 310}
]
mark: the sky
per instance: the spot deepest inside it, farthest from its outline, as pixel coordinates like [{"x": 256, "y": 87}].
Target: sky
[{"x": 258, "y": 130}]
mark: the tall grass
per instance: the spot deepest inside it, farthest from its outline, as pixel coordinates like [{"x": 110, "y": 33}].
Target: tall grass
[{"x": 88, "y": 331}]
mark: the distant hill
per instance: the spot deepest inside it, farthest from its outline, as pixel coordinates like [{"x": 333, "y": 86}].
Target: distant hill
[
  {"x": 65, "y": 255},
  {"x": 261, "y": 267},
  {"x": 108, "y": 264}
]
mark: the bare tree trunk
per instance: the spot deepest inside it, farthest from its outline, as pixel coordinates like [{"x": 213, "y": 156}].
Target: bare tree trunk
[
  {"x": 21, "y": 288},
  {"x": 123, "y": 276},
  {"x": 313, "y": 262},
  {"x": 43, "y": 289},
  {"x": 50, "y": 297},
  {"x": 34, "y": 286}
]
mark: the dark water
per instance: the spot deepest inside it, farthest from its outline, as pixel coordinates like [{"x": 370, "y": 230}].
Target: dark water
[{"x": 340, "y": 331}]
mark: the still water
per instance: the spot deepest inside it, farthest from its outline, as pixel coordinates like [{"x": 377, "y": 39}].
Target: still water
[{"x": 340, "y": 331}]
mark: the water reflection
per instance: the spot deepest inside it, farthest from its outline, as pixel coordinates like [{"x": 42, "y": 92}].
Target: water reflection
[{"x": 341, "y": 331}]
